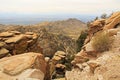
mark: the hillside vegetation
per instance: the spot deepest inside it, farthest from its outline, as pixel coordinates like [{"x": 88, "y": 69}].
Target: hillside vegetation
[{"x": 71, "y": 27}]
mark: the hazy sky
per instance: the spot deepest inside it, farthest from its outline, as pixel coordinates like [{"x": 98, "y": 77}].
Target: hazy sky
[{"x": 60, "y": 6}]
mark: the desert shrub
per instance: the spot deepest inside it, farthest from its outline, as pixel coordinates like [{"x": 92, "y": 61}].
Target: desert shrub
[
  {"x": 81, "y": 40},
  {"x": 102, "y": 42}
]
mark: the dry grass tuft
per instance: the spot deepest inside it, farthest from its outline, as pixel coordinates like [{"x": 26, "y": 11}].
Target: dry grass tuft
[{"x": 102, "y": 42}]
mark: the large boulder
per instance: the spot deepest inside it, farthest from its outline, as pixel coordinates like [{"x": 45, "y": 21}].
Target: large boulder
[
  {"x": 96, "y": 26},
  {"x": 27, "y": 66}
]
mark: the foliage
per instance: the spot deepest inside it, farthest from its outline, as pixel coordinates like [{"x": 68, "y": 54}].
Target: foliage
[
  {"x": 104, "y": 16},
  {"x": 102, "y": 42},
  {"x": 81, "y": 40},
  {"x": 96, "y": 18}
]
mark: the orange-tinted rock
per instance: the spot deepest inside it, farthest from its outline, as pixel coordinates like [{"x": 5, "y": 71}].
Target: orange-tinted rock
[
  {"x": 6, "y": 34},
  {"x": 29, "y": 33},
  {"x": 98, "y": 23},
  {"x": 15, "y": 39},
  {"x": 15, "y": 32},
  {"x": 96, "y": 26},
  {"x": 17, "y": 42},
  {"x": 32, "y": 65},
  {"x": 112, "y": 21},
  {"x": 93, "y": 66},
  {"x": 60, "y": 66},
  {"x": 59, "y": 55},
  {"x": 3, "y": 52}
]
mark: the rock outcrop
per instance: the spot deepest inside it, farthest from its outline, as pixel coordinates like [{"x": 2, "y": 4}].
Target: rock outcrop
[
  {"x": 27, "y": 66},
  {"x": 14, "y": 42},
  {"x": 103, "y": 24},
  {"x": 54, "y": 63},
  {"x": 90, "y": 64},
  {"x": 112, "y": 21}
]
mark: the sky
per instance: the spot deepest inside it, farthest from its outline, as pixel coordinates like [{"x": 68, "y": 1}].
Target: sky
[
  {"x": 59, "y": 6},
  {"x": 34, "y": 11}
]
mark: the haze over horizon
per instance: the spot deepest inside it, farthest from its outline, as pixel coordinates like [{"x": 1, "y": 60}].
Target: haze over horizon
[{"x": 60, "y": 9}]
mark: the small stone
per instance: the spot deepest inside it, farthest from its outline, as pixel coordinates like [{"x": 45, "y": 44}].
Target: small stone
[
  {"x": 3, "y": 52},
  {"x": 84, "y": 64},
  {"x": 80, "y": 66},
  {"x": 29, "y": 33},
  {"x": 2, "y": 44},
  {"x": 60, "y": 66},
  {"x": 35, "y": 36},
  {"x": 57, "y": 58},
  {"x": 29, "y": 41},
  {"x": 47, "y": 59},
  {"x": 61, "y": 53}
]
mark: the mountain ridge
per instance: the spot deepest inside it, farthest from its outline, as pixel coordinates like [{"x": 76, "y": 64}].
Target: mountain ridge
[{"x": 71, "y": 27}]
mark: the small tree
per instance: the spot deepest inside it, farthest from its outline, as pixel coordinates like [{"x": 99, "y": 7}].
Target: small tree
[
  {"x": 96, "y": 18},
  {"x": 104, "y": 16},
  {"x": 81, "y": 40}
]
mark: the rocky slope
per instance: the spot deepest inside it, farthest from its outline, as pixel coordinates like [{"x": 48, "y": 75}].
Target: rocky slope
[{"x": 91, "y": 64}]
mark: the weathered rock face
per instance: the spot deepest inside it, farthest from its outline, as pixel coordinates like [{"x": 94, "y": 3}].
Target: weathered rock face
[
  {"x": 92, "y": 65},
  {"x": 14, "y": 42},
  {"x": 27, "y": 66},
  {"x": 112, "y": 21},
  {"x": 96, "y": 26}
]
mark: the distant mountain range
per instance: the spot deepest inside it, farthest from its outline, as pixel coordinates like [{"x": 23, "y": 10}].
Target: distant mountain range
[{"x": 24, "y": 19}]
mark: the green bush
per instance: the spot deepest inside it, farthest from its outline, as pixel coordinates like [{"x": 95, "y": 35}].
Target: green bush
[
  {"x": 81, "y": 40},
  {"x": 102, "y": 42}
]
